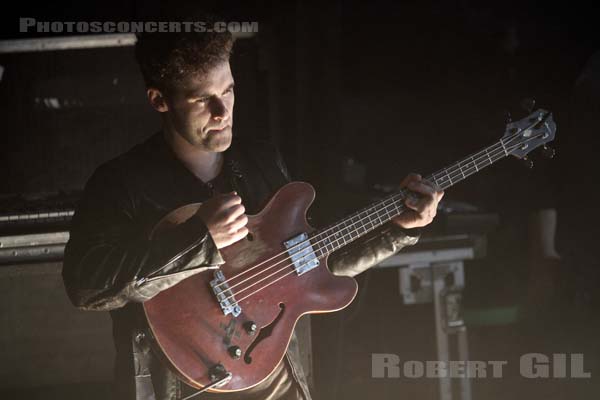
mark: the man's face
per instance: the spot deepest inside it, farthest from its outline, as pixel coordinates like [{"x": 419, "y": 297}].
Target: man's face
[{"x": 201, "y": 109}]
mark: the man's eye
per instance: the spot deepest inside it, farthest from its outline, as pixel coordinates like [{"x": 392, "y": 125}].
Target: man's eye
[
  {"x": 202, "y": 100},
  {"x": 228, "y": 91}
]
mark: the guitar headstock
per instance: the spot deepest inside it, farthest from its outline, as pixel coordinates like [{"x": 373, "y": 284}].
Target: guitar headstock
[{"x": 529, "y": 133}]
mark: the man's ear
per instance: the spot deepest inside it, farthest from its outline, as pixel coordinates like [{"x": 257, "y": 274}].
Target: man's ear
[{"x": 157, "y": 100}]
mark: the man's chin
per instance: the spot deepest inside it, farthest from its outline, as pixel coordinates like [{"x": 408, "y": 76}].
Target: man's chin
[{"x": 218, "y": 142}]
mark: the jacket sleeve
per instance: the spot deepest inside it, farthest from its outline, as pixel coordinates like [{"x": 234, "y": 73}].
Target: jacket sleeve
[
  {"x": 371, "y": 249},
  {"x": 108, "y": 254}
]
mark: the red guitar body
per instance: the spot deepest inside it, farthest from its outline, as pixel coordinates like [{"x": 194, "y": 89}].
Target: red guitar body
[{"x": 192, "y": 333}]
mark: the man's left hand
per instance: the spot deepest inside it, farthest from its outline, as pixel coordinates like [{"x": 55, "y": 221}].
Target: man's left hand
[{"x": 422, "y": 210}]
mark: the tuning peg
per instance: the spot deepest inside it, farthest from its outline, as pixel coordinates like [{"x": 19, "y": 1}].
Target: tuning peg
[
  {"x": 548, "y": 152},
  {"x": 507, "y": 117},
  {"x": 528, "y": 104},
  {"x": 527, "y": 162}
]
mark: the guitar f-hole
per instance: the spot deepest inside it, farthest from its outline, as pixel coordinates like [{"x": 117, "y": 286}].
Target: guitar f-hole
[{"x": 263, "y": 334}]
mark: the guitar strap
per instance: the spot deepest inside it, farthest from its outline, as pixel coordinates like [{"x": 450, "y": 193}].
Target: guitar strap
[
  {"x": 257, "y": 171},
  {"x": 268, "y": 159}
]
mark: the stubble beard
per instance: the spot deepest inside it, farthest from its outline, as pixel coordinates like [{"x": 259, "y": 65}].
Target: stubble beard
[{"x": 217, "y": 142}]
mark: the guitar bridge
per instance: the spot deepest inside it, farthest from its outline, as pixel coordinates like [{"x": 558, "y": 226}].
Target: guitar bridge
[
  {"x": 302, "y": 254},
  {"x": 224, "y": 295}
]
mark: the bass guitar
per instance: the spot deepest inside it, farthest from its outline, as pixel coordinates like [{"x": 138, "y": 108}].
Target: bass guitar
[{"x": 227, "y": 329}]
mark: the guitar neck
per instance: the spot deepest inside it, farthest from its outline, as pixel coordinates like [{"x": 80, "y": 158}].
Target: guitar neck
[{"x": 341, "y": 233}]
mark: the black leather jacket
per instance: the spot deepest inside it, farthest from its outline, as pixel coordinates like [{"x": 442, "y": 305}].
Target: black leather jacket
[{"x": 109, "y": 250}]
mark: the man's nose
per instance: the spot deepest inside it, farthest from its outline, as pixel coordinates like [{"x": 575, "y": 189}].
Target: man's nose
[{"x": 218, "y": 110}]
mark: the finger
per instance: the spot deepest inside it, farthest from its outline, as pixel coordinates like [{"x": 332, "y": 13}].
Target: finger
[
  {"x": 232, "y": 213},
  {"x": 407, "y": 219},
  {"x": 420, "y": 205},
  {"x": 232, "y": 238},
  {"x": 240, "y": 234},
  {"x": 227, "y": 200},
  {"x": 421, "y": 187},
  {"x": 410, "y": 178},
  {"x": 238, "y": 223},
  {"x": 431, "y": 184}
]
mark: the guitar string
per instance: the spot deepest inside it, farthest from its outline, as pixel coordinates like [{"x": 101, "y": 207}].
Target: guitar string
[
  {"x": 541, "y": 119},
  {"x": 398, "y": 211},
  {"x": 370, "y": 229},
  {"x": 394, "y": 197},
  {"x": 292, "y": 271},
  {"x": 444, "y": 172}
]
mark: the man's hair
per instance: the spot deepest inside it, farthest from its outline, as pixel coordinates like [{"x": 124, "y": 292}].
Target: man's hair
[{"x": 165, "y": 59}]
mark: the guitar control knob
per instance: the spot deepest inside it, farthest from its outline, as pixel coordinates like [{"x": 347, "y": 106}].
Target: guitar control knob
[
  {"x": 235, "y": 352},
  {"x": 217, "y": 372},
  {"x": 250, "y": 328}
]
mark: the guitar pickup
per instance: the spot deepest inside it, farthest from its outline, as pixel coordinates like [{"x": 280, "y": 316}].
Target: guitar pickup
[{"x": 302, "y": 254}]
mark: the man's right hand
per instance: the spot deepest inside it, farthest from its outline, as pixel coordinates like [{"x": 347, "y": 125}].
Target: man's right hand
[{"x": 225, "y": 217}]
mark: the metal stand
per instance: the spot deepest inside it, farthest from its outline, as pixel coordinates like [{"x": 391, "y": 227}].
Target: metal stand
[
  {"x": 437, "y": 276},
  {"x": 441, "y": 283}
]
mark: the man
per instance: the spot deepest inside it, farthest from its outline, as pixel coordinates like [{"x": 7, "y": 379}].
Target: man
[{"x": 193, "y": 159}]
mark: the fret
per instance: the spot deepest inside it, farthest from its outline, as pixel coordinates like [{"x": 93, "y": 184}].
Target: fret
[
  {"x": 352, "y": 234},
  {"x": 360, "y": 217},
  {"x": 390, "y": 211},
  {"x": 504, "y": 147},
  {"x": 372, "y": 226},
  {"x": 316, "y": 246},
  {"x": 488, "y": 156},
  {"x": 319, "y": 253},
  {"x": 328, "y": 244},
  {"x": 316, "y": 242},
  {"x": 359, "y": 224},
  {"x": 499, "y": 157},
  {"x": 344, "y": 230},
  {"x": 448, "y": 176},
  {"x": 376, "y": 221},
  {"x": 337, "y": 243},
  {"x": 377, "y": 214},
  {"x": 469, "y": 168},
  {"x": 385, "y": 215},
  {"x": 388, "y": 214},
  {"x": 365, "y": 220},
  {"x": 338, "y": 237},
  {"x": 397, "y": 209},
  {"x": 442, "y": 179},
  {"x": 460, "y": 169},
  {"x": 465, "y": 171},
  {"x": 361, "y": 229}
]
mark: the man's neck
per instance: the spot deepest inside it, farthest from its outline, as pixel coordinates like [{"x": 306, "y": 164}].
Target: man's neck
[{"x": 203, "y": 164}]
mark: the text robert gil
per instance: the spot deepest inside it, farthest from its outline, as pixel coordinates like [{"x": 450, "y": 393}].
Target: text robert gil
[{"x": 531, "y": 365}]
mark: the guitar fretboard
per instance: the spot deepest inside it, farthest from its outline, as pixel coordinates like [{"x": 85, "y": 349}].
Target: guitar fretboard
[{"x": 365, "y": 220}]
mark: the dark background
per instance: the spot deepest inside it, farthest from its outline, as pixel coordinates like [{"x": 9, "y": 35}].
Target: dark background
[{"x": 380, "y": 88}]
